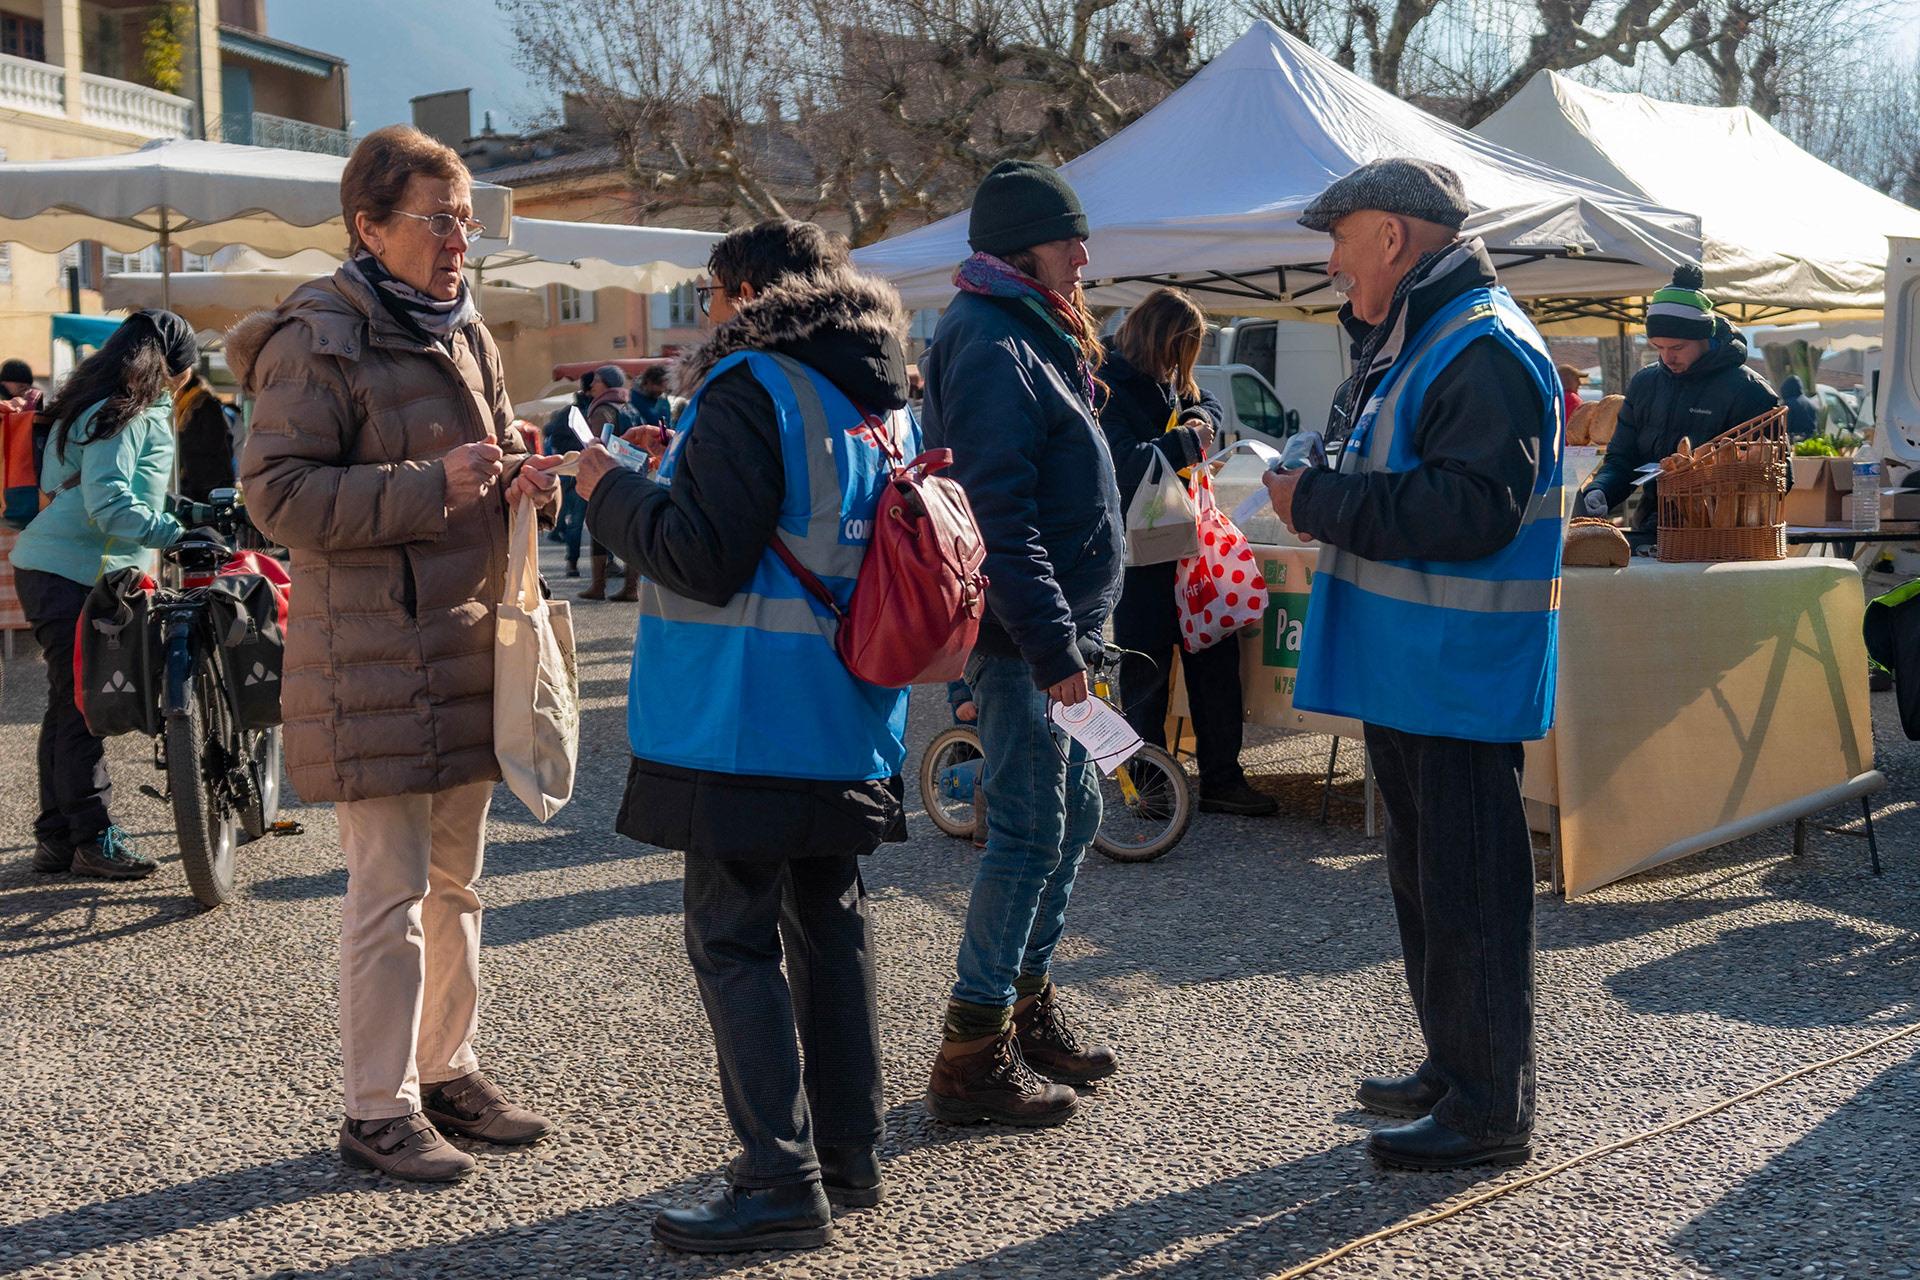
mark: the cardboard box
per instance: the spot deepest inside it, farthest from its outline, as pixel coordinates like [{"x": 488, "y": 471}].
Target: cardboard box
[
  {"x": 1895, "y": 504},
  {"x": 1820, "y": 486}
]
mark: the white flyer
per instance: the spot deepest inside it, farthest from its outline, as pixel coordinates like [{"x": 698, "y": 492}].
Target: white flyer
[{"x": 1108, "y": 738}]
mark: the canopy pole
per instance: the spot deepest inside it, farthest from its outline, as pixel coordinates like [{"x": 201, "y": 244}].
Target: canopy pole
[{"x": 166, "y": 261}]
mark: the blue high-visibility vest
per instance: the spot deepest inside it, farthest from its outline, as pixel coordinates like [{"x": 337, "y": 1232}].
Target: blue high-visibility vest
[
  {"x": 1454, "y": 649},
  {"x": 755, "y": 686}
]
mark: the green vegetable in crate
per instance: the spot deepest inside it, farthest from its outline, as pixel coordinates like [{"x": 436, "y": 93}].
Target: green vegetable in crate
[{"x": 1815, "y": 447}]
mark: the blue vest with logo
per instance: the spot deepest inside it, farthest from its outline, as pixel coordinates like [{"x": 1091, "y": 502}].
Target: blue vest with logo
[
  {"x": 1454, "y": 649},
  {"x": 755, "y": 686}
]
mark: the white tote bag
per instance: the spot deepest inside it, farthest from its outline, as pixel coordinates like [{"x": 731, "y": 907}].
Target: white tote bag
[
  {"x": 536, "y": 688},
  {"x": 1162, "y": 522}
]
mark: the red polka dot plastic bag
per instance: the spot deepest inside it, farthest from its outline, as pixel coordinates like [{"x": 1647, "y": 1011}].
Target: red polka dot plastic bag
[{"x": 1220, "y": 590}]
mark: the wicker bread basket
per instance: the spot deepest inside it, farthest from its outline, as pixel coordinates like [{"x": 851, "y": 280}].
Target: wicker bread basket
[{"x": 1724, "y": 500}]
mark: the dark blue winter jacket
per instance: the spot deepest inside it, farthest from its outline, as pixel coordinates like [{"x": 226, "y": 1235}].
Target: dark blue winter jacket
[{"x": 1003, "y": 393}]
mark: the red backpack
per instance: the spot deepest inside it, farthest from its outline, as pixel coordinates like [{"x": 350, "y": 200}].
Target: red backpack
[{"x": 916, "y": 606}]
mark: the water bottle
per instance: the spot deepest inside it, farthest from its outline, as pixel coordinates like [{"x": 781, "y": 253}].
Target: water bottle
[{"x": 1866, "y": 486}]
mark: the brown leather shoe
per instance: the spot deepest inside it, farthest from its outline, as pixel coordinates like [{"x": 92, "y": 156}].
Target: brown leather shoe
[
  {"x": 994, "y": 1083},
  {"x": 1050, "y": 1047},
  {"x": 473, "y": 1107},
  {"x": 407, "y": 1148}
]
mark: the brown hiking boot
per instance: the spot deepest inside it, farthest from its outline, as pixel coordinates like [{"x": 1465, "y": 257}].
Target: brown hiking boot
[
  {"x": 597, "y": 589},
  {"x": 472, "y": 1106},
  {"x": 994, "y": 1083},
  {"x": 407, "y": 1147},
  {"x": 629, "y": 586},
  {"x": 1050, "y": 1047}
]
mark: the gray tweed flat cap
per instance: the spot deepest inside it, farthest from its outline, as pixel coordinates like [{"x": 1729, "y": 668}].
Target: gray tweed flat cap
[{"x": 1410, "y": 188}]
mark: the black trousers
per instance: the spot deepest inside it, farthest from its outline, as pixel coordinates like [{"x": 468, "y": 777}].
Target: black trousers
[
  {"x": 1145, "y": 620},
  {"x": 74, "y": 787},
  {"x": 1461, "y": 866},
  {"x": 738, "y": 916}
]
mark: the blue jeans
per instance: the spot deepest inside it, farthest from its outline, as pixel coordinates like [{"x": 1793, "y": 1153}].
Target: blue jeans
[
  {"x": 1042, "y": 812},
  {"x": 573, "y": 517}
]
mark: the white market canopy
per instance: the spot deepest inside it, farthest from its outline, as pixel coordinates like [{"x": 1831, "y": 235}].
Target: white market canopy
[
  {"x": 594, "y": 255},
  {"x": 198, "y": 195},
  {"x": 249, "y": 281},
  {"x": 1206, "y": 191},
  {"x": 1786, "y": 236}
]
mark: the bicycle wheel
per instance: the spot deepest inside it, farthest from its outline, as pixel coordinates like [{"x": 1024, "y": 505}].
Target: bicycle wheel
[
  {"x": 947, "y": 769},
  {"x": 263, "y": 774},
  {"x": 1146, "y": 806},
  {"x": 195, "y": 766}
]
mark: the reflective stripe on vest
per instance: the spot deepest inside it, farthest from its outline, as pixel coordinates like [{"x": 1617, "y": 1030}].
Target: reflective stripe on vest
[
  {"x": 754, "y": 686},
  {"x": 1461, "y": 649}
]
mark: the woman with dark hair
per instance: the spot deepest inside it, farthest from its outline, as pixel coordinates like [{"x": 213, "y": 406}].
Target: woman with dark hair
[
  {"x": 108, "y": 459},
  {"x": 381, "y": 455},
  {"x": 1154, "y": 406}
]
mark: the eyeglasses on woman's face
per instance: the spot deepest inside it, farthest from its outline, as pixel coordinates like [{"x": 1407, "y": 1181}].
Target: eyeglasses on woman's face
[
  {"x": 703, "y": 294},
  {"x": 442, "y": 225}
]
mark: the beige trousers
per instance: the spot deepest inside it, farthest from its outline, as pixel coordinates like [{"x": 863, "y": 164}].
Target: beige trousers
[{"x": 409, "y": 944}]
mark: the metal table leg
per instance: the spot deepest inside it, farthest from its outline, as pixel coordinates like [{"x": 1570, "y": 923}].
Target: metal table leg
[{"x": 1326, "y": 788}]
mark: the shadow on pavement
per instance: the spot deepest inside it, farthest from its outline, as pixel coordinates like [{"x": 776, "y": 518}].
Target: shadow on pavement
[
  {"x": 148, "y": 1215},
  {"x": 49, "y": 914},
  {"x": 1830, "y": 1203},
  {"x": 1789, "y": 973},
  {"x": 529, "y": 921}
]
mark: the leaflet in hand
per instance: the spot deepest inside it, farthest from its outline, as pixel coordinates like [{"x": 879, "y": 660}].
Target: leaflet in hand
[
  {"x": 1109, "y": 740},
  {"x": 628, "y": 456}
]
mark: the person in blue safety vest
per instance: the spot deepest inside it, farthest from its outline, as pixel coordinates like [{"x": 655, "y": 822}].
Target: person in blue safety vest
[
  {"x": 1434, "y": 621},
  {"x": 754, "y": 749}
]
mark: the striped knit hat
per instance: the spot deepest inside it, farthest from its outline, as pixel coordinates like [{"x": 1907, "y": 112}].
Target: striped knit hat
[{"x": 1680, "y": 310}]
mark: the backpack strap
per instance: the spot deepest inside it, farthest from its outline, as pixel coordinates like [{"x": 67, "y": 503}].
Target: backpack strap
[{"x": 815, "y": 588}]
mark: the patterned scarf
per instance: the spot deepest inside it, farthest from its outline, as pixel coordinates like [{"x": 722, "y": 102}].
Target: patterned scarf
[
  {"x": 431, "y": 318},
  {"x": 1381, "y": 347},
  {"x": 991, "y": 277}
]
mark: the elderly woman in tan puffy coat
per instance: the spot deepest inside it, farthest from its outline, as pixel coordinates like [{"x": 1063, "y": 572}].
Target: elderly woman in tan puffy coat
[{"x": 380, "y": 454}]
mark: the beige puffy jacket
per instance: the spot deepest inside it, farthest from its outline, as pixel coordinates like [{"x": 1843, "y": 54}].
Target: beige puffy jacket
[{"x": 389, "y": 666}]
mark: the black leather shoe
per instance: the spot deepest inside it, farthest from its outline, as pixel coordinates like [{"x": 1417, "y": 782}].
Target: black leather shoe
[
  {"x": 1428, "y": 1144},
  {"x": 742, "y": 1219},
  {"x": 851, "y": 1176},
  {"x": 1241, "y": 799},
  {"x": 52, "y": 859},
  {"x": 1408, "y": 1097}
]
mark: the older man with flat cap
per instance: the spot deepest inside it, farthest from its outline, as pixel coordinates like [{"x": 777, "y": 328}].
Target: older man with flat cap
[{"x": 1434, "y": 621}]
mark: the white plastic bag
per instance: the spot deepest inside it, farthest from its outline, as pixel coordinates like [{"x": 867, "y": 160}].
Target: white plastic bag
[
  {"x": 1162, "y": 522},
  {"x": 536, "y": 687}
]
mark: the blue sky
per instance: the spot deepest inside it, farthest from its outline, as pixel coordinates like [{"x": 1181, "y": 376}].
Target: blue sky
[{"x": 397, "y": 51}]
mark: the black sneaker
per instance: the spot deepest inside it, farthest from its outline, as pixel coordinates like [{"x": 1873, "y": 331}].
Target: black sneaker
[
  {"x": 52, "y": 859},
  {"x": 112, "y": 857},
  {"x": 1241, "y": 799}
]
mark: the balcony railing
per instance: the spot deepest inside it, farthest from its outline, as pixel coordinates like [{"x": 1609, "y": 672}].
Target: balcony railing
[
  {"x": 26, "y": 85},
  {"x": 134, "y": 108},
  {"x": 257, "y": 129}
]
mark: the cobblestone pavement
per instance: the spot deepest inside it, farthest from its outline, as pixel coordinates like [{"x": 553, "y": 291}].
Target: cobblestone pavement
[{"x": 169, "y": 1076}]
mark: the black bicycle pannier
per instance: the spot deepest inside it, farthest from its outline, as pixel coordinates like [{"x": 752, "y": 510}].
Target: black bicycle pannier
[
  {"x": 246, "y": 616},
  {"x": 116, "y": 664}
]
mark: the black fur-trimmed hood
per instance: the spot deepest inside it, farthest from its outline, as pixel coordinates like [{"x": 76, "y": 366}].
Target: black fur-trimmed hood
[{"x": 847, "y": 326}]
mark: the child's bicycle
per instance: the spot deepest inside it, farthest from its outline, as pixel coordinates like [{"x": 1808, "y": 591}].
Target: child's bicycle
[{"x": 1146, "y": 803}]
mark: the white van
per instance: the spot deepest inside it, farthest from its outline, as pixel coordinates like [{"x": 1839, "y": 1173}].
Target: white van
[
  {"x": 1898, "y": 408},
  {"x": 1303, "y": 361},
  {"x": 1253, "y": 411}
]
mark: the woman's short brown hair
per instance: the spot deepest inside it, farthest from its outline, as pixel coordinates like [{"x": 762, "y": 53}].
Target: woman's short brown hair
[
  {"x": 1162, "y": 338},
  {"x": 376, "y": 175}
]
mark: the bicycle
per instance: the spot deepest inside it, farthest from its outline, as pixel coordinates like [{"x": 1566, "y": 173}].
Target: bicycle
[
  {"x": 221, "y": 779},
  {"x": 1146, "y": 802}
]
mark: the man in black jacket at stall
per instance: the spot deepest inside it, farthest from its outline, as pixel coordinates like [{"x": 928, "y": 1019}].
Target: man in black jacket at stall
[{"x": 1699, "y": 388}]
